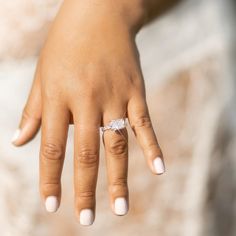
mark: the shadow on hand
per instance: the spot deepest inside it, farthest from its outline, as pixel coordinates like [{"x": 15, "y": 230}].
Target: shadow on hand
[{"x": 156, "y": 8}]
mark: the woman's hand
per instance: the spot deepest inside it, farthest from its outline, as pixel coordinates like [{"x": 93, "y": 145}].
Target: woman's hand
[{"x": 88, "y": 73}]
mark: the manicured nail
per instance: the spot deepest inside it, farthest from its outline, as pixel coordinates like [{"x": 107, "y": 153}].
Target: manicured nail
[
  {"x": 86, "y": 217},
  {"x": 51, "y": 204},
  {"x": 120, "y": 206},
  {"x": 158, "y": 165},
  {"x": 16, "y": 135}
]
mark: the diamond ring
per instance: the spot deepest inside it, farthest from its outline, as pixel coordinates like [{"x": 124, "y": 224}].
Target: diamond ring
[{"x": 115, "y": 125}]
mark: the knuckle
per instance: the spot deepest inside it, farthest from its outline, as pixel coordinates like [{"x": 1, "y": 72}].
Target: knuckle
[
  {"x": 118, "y": 147},
  {"x": 88, "y": 157},
  {"x": 52, "y": 151},
  {"x": 153, "y": 146},
  {"x": 86, "y": 194},
  {"x": 122, "y": 182},
  {"x": 142, "y": 122}
]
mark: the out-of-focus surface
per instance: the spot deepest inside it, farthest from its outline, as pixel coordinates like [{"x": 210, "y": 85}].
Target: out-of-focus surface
[{"x": 188, "y": 58}]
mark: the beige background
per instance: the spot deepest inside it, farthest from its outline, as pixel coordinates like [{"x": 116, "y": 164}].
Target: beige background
[{"x": 188, "y": 58}]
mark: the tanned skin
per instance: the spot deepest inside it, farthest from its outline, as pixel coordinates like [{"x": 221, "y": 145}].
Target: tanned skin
[{"x": 89, "y": 73}]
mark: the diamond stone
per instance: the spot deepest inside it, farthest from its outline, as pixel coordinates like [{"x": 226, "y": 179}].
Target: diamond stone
[{"x": 117, "y": 124}]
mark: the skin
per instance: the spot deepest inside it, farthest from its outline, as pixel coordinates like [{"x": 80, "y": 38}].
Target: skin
[{"x": 88, "y": 73}]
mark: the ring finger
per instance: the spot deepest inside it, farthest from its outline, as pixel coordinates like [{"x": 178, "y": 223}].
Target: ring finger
[{"x": 116, "y": 150}]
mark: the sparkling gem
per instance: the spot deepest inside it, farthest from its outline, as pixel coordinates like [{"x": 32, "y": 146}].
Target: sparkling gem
[{"x": 117, "y": 124}]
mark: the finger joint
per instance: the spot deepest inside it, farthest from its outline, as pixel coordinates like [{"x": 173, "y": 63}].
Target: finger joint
[
  {"x": 118, "y": 147},
  {"x": 121, "y": 181},
  {"x": 88, "y": 157},
  {"x": 51, "y": 151},
  {"x": 142, "y": 122},
  {"x": 87, "y": 194}
]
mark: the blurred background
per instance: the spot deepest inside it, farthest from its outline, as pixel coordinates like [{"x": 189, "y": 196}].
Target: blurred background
[{"x": 188, "y": 58}]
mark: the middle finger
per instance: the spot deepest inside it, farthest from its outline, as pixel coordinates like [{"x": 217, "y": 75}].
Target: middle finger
[{"x": 86, "y": 161}]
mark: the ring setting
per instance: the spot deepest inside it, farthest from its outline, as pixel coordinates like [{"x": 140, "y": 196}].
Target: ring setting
[{"x": 115, "y": 125}]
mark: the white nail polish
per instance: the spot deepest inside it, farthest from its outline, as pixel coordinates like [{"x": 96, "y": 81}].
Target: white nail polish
[
  {"x": 86, "y": 217},
  {"x": 16, "y": 135},
  {"x": 120, "y": 206},
  {"x": 51, "y": 204},
  {"x": 158, "y": 165}
]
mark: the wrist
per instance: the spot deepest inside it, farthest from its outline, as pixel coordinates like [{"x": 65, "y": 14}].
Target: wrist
[{"x": 130, "y": 13}]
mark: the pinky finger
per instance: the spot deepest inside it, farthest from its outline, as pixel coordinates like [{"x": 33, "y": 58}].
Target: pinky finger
[{"x": 141, "y": 125}]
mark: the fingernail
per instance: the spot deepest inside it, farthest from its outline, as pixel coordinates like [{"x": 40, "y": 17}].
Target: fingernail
[
  {"x": 51, "y": 204},
  {"x": 120, "y": 206},
  {"x": 86, "y": 217},
  {"x": 16, "y": 135},
  {"x": 158, "y": 165}
]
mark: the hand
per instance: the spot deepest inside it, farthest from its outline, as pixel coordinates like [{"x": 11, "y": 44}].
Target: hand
[{"x": 88, "y": 73}]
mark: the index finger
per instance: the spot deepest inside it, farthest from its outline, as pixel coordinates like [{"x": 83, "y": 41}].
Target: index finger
[{"x": 55, "y": 122}]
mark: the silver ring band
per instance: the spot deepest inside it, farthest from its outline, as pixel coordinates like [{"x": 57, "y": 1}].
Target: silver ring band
[{"x": 115, "y": 125}]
